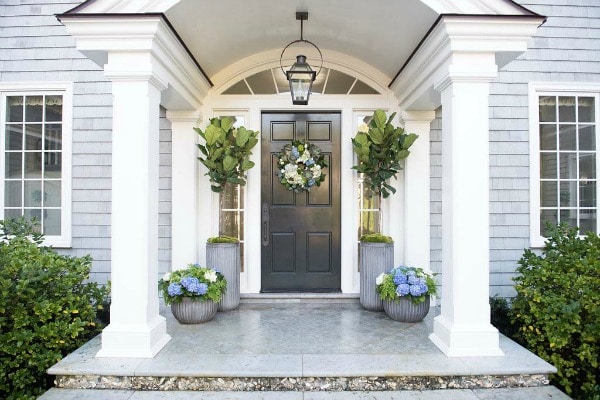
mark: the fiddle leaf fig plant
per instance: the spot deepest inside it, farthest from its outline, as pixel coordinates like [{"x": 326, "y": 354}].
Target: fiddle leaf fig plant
[
  {"x": 380, "y": 147},
  {"x": 226, "y": 152}
]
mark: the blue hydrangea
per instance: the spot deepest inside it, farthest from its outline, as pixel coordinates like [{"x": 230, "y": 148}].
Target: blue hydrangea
[
  {"x": 295, "y": 152},
  {"x": 174, "y": 289},
  {"x": 201, "y": 289},
  {"x": 403, "y": 289},
  {"x": 217, "y": 270},
  {"x": 400, "y": 278},
  {"x": 190, "y": 282},
  {"x": 416, "y": 290},
  {"x": 422, "y": 281},
  {"x": 311, "y": 182},
  {"x": 309, "y": 162},
  {"x": 411, "y": 272},
  {"x": 424, "y": 288},
  {"x": 413, "y": 280}
]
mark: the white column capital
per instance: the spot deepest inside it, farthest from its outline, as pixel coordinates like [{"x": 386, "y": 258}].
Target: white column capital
[
  {"x": 424, "y": 117},
  {"x": 191, "y": 117}
]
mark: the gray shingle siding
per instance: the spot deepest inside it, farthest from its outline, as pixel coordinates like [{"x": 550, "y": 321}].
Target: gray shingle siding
[
  {"x": 565, "y": 49},
  {"x": 36, "y": 47}
]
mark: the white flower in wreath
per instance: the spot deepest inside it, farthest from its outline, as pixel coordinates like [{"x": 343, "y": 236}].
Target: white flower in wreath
[
  {"x": 290, "y": 171},
  {"x": 363, "y": 128},
  {"x": 304, "y": 157},
  {"x": 316, "y": 171}
]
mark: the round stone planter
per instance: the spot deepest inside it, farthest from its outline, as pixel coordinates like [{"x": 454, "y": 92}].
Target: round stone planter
[
  {"x": 226, "y": 258},
  {"x": 193, "y": 311},
  {"x": 404, "y": 310},
  {"x": 375, "y": 258}
]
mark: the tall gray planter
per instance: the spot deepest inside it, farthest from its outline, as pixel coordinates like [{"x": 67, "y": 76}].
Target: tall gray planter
[
  {"x": 375, "y": 258},
  {"x": 226, "y": 258}
]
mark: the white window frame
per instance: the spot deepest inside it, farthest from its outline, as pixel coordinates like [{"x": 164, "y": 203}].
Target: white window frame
[
  {"x": 536, "y": 90},
  {"x": 65, "y": 89}
]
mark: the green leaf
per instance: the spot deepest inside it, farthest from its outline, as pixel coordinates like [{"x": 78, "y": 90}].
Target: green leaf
[
  {"x": 226, "y": 123},
  {"x": 229, "y": 163},
  {"x": 379, "y": 119},
  {"x": 213, "y": 133},
  {"x": 361, "y": 139},
  {"x": 199, "y": 132},
  {"x": 402, "y": 154},
  {"x": 247, "y": 164},
  {"x": 203, "y": 149},
  {"x": 376, "y": 135},
  {"x": 409, "y": 140},
  {"x": 242, "y": 137}
]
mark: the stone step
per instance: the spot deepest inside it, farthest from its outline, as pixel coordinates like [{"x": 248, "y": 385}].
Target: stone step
[{"x": 530, "y": 393}]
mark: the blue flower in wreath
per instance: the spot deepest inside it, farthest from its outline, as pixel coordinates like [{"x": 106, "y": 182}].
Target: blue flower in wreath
[
  {"x": 295, "y": 152},
  {"x": 309, "y": 162}
]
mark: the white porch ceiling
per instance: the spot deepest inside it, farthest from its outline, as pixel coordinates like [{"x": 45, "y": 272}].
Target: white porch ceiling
[{"x": 383, "y": 33}]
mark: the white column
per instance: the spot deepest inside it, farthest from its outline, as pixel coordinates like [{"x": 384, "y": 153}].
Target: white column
[
  {"x": 463, "y": 328},
  {"x": 416, "y": 190},
  {"x": 184, "y": 188},
  {"x": 136, "y": 329}
]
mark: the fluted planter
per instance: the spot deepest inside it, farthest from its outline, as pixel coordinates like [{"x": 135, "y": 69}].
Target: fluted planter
[
  {"x": 226, "y": 258},
  {"x": 375, "y": 258},
  {"x": 404, "y": 310},
  {"x": 190, "y": 311}
]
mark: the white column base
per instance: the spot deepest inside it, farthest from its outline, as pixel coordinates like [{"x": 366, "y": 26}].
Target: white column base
[
  {"x": 467, "y": 340},
  {"x": 135, "y": 341}
]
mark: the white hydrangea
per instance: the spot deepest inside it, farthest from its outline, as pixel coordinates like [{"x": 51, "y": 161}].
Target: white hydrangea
[
  {"x": 167, "y": 277},
  {"x": 379, "y": 279},
  {"x": 316, "y": 172},
  {"x": 211, "y": 275},
  {"x": 304, "y": 157},
  {"x": 363, "y": 128}
]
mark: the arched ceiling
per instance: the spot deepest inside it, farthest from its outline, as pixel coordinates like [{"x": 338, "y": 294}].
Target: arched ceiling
[{"x": 382, "y": 33}]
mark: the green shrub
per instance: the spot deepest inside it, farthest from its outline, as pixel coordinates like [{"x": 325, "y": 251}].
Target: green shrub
[
  {"x": 222, "y": 239},
  {"x": 376, "y": 238},
  {"x": 46, "y": 309},
  {"x": 557, "y": 307},
  {"x": 500, "y": 316}
]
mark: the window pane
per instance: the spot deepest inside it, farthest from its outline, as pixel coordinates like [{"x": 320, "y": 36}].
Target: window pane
[
  {"x": 567, "y": 139},
  {"x": 548, "y": 166},
  {"x": 14, "y": 137},
  {"x": 568, "y": 194},
  {"x": 547, "y": 216},
  {"x": 547, "y": 109},
  {"x": 568, "y": 165},
  {"x": 587, "y": 109},
  {"x": 369, "y": 222},
  {"x": 587, "y": 194},
  {"x": 33, "y": 165},
  {"x": 587, "y": 221},
  {"x": 33, "y": 193},
  {"x": 587, "y": 138},
  {"x": 13, "y": 165},
  {"x": 549, "y": 194},
  {"x": 14, "y": 109},
  {"x": 569, "y": 217},
  {"x": 52, "y": 164},
  {"x": 52, "y": 222},
  {"x": 34, "y": 108},
  {"x": 33, "y": 213},
  {"x": 33, "y": 137},
  {"x": 587, "y": 165},
  {"x": 12, "y": 194},
  {"x": 53, "y": 108},
  {"x": 53, "y": 137},
  {"x": 566, "y": 109},
  {"x": 547, "y": 137},
  {"x": 52, "y": 193},
  {"x": 12, "y": 213}
]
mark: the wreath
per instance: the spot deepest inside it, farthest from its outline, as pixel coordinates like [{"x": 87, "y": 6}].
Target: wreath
[{"x": 301, "y": 166}]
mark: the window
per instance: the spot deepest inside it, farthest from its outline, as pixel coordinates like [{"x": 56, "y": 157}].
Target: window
[
  {"x": 36, "y": 158},
  {"x": 564, "y": 142}
]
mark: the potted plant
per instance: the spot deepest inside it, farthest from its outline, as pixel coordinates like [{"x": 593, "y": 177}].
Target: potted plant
[
  {"x": 376, "y": 253},
  {"x": 223, "y": 254},
  {"x": 406, "y": 292},
  {"x": 193, "y": 293},
  {"x": 380, "y": 147}
]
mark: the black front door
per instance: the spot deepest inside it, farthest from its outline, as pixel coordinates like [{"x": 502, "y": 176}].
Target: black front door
[{"x": 300, "y": 231}]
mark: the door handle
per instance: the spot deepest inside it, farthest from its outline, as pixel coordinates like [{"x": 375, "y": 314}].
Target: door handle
[{"x": 265, "y": 224}]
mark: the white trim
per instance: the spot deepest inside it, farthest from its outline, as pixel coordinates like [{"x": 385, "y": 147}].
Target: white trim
[
  {"x": 66, "y": 90},
  {"x": 536, "y": 89}
]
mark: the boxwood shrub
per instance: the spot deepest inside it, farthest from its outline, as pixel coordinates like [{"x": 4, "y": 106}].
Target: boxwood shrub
[
  {"x": 47, "y": 309},
  {"x": 557, "y": 308}
]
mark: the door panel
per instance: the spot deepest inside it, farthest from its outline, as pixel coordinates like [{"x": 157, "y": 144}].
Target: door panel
[{"x": 300, "y": 231}]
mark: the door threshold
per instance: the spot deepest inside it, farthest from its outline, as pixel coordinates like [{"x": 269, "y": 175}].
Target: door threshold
[{"x": 298, "y": 297}]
